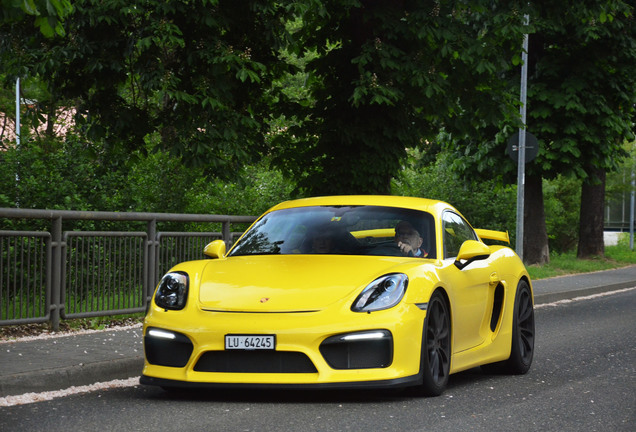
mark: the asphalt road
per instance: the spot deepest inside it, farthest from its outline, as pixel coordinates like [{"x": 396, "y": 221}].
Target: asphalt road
[{"x": 583, "y": 379}]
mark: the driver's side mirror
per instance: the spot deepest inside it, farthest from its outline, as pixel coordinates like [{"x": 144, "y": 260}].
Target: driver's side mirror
[
  {"x": 470, "y": 251},
  {"x": 216, "y": 249}
]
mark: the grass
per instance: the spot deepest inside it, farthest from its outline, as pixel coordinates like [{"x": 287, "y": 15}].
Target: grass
[
  {"x": 103, "y": 322},
  {"x": 34, "y": 307},
  {"x": 567, "y": 263},
  {"x": 70, "y": 325}
]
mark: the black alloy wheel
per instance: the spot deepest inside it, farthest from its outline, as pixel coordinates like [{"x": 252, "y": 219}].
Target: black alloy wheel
[{"x": 436, "y": 352}]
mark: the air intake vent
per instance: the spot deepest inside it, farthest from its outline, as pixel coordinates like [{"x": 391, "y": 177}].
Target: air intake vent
[{"x": 256, "y": 361}]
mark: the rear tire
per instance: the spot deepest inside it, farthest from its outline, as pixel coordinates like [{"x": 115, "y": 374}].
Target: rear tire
[{"x": 436, "y": 347}]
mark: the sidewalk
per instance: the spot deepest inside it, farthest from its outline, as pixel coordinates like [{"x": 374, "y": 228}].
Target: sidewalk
[{"x": 37, "y": 365}]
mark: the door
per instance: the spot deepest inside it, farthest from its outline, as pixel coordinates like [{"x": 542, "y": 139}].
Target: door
[{"x": 470, "y": 285}]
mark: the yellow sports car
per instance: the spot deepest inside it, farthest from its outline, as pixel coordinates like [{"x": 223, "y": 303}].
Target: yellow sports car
[{"x": 343, "y": 292}]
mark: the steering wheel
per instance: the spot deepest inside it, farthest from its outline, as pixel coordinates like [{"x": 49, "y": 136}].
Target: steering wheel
[{"x": 388, "y": 248}]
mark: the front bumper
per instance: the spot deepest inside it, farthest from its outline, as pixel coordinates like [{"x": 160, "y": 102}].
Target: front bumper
[{"x": 313, "y": 349}]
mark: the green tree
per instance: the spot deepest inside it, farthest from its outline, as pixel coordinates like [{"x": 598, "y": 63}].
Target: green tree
[
  {"x": 583, "y": 93},
  {"x": 387, "y": 77},
  {"x": 48, "y": 14},
  {"x": 581, "y": 97},
  {"x": 199, "y": 74}
]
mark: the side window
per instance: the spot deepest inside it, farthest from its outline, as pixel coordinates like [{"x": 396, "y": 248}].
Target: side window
[{"x": 456, "y": 231}]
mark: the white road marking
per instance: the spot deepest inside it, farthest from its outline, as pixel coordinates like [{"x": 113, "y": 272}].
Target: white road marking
[
  {"x": 28, "y": 398},
  {"x": 589, "y": 297}
]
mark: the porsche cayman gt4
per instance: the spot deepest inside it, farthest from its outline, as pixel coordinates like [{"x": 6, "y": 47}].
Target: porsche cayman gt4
[{"x": 343, "y": 292}]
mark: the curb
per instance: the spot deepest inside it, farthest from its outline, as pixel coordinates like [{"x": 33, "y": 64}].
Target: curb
[{"x": 77, "y": 375}]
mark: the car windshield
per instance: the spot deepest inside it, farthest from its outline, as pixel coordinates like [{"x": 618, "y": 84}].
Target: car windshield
[{"x": 339, "y": 230}]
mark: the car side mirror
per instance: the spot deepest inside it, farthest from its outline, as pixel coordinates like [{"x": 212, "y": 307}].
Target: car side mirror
[
  {"x": 216, "y": 249},
  {"x": 470, "y": 251}
]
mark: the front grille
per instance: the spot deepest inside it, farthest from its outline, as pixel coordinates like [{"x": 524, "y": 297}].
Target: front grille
[{"x": 256, "y": 361}]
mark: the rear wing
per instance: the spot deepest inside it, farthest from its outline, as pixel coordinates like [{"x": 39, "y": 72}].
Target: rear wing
[{"x": 493, "y": 235}]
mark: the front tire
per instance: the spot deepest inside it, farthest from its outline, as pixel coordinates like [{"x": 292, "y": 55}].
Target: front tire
[
  {"x": 522, "y": 350},
  {"x": 436, "y": 347},
  {"x": 522, "y": 331}
]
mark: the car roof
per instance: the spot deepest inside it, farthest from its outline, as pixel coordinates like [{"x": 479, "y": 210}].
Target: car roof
[{"x": 424, "y": 204}]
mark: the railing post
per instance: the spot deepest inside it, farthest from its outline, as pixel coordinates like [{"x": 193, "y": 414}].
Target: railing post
[
  {"x": 227, "y": 233},
  {"x": 152, "y": 258},
  {"x": 56, "y": 273}
]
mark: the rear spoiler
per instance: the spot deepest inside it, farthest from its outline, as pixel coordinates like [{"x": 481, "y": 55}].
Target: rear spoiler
[{"x": 493, "y": 235}]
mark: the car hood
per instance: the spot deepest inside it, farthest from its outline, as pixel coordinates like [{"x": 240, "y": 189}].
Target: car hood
[{"x": 288, "y": 283}]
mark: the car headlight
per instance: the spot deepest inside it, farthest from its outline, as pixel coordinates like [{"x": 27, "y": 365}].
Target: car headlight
[
  {"x": 172, "y": 292},
  {"x": 383, "y": 293}
]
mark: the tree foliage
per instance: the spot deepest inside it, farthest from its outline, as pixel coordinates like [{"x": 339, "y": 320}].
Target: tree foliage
[
  {"x": 197, "y": 73},
  {"x": 48, "y": 14},
  {"x": 334, "y": 92},
  {"x": 584, "y": 96},
  {"x": 581, "y": 92},
  {"x": 387, "y": 77},
  {"x": 582, "y": 89},
  {"x": 581, "y": 105},
  {"x": 78, "y": 175}
]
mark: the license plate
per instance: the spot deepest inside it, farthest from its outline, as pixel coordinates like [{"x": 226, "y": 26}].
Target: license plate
[{"x": 250, "y": 342}]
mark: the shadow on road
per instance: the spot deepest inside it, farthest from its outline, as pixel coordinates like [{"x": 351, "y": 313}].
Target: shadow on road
[{"x": 457, "y": 381}]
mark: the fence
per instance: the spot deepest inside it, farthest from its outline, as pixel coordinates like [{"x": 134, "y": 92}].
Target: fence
[{"x": 46, "y": 276}]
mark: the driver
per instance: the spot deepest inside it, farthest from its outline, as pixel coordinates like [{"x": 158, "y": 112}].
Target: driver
[
  {"x": 322, "y": 239},
  {"x": 322, "y": 243},
  {"x": 409, "y": 240}
]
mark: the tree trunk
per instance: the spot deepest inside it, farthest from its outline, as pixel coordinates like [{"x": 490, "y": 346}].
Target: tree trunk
[
  {"x": 591, "y": 217},
  {"x": 535, "y": 236},
  {"x": 50, "y": 120}
]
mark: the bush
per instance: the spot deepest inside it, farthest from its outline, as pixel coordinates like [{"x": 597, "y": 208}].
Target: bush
[
  {"x": 257, "y": 189},
  {"x": 72, "y": 174},
  {"x": 486, "y": 204},
  {"x": 562, "y": 201}
]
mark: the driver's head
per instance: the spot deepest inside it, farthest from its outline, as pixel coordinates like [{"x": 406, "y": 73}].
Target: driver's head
[{"x": 405, "y": 233}]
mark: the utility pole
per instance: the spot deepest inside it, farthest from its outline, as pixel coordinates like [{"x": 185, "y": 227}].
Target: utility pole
[
  {"x": 631, "y": 212},
  {"x": 17, "y": 112},
  {"x": 521, "y": 162},
  {"x": 17, "y": 138}
]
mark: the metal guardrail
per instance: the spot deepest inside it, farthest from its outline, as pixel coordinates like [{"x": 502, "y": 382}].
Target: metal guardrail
[{"x": 46, "y": 276}]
